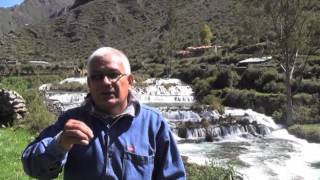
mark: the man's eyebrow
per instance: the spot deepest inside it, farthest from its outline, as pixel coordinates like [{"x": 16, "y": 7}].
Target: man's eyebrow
[{"x": 107, "y": 71}]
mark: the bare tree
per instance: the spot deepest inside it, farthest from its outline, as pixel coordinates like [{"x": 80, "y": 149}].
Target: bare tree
[{"x": 292, "y": 34}]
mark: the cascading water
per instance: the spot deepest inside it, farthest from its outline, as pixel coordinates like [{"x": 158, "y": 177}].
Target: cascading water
[
  {"x": 259, "y": 148},
  {"x": 278, "y": 156}
]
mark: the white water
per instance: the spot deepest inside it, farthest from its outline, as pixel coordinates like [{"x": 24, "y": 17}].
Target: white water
[
  {"x": 156, "y": 92},
  {"x": 279, "y": 156}
]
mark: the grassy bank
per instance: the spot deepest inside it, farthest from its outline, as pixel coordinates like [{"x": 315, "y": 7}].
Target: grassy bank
[
  {"x": 211, "y": 172},
  {"x": 12, "y": 143},
  {"x": 310, "y": 132}
]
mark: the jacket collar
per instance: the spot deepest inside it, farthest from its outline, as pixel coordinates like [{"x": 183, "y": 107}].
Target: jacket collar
[{"x": 132, "y": 109}]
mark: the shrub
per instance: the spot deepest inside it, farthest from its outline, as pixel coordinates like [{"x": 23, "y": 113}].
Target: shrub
[
  {"x": 202, "y": 87},
  {"x": 307, "y": 86},
  {"x": 214, "y": 102},
  {"x": 274, "y": 87},
  {"x": 304, "y": 99},
  {"x": 206, "y": 35},
  {"x": 226, "y": 78},
  {"x": 314, "y": 60},
  {"x": 261, "y": 102},
  {"x": 15, "y": 83},
  {"x": 70, "y": 86},
  {"x": 232, "y": 58},
  {"x": 267, "y": 76},
  {"x": 39, "y": 117},
  {"x": 311, "y": 132},
  {"x": 314, "y": 72},
  {"x": 188, "y": 73},
  {"x": 155, "y": 70},
  {"x": 211, "y": 171},
  {"x": 306, "y": 114},
  {"x": 278, "y": 116},
  {"x": 211, "y": 59},
  {"x": 249, "y": 78}
]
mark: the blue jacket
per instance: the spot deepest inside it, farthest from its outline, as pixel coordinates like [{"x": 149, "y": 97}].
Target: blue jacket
[{"x": 140, "y": 147}]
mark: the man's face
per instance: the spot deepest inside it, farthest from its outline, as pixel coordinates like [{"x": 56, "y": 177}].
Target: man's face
[{"x": 108, "y": 84}]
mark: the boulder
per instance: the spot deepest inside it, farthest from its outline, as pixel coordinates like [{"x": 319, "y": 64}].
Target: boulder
[{"x": 12, "y": 107}]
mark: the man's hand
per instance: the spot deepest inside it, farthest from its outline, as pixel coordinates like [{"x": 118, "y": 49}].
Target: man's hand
[{"x": 75, "y": 132}]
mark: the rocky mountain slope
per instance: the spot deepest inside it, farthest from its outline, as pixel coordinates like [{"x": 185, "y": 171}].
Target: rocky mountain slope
[
  {"x": 31, "y": 12},
  {"x": 138, "y": 27}
]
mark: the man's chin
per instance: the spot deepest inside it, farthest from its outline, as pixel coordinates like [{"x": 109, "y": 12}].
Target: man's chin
[{"x": 110, "y": 104}]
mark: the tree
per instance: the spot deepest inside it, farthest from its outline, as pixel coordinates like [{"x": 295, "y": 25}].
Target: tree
[
  {"x": 292, "y": 34},
  {"x": 206, "y": 35},
  {"x": 168, "y": 39}
]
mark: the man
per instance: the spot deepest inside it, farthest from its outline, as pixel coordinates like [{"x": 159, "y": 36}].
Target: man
[{"x": 111, "y": 136}]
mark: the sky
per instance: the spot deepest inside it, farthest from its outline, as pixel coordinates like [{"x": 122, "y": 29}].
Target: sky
[{"x": 10, "y": 3}]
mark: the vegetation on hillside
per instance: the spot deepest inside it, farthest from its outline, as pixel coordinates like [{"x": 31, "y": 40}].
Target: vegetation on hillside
[{"x": 39, "y": 116}]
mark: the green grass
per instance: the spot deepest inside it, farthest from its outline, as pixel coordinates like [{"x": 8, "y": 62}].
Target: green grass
[
  {"x": 310, "y": 132},
  {"x": 14, "y": 140},
  {"x": 12, "y": 143},
  {"x": 211, "y": 171}
]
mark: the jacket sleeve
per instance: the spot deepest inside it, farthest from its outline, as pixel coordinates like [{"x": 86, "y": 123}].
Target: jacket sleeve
[
  {"x": 44, "y": 158},
  {"x": 168, "y": 162}
]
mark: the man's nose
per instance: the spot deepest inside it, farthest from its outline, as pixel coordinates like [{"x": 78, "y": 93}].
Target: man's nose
[{"x": 106, "y": 80}]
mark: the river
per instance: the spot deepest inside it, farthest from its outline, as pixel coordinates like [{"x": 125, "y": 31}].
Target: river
[{"x": 275, "y": 156}]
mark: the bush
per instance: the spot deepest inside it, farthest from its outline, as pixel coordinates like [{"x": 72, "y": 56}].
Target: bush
[
  {"x": 267, "y": 76},
  {"x": 211, "y": 171},
  {"x": 210, "y": 59},
  {"x": 15, "y": 83},
  {"x": 310, "y": 132},
  {"x": 232, "y": 58},
  {"x": 155, "y": 70},
  {"x": 39, "y": 117},
  {"x": 188, "y": 73},
  {"x": 202, "y": 87},
  {"x": 307, "y": 86},
  {"x": 314, "y": 60},
  {"x": 314, "y": 72},
  {"x": 306, "y": 114},
  {"x": 214, "y": 102},
  {"x": 278, "y": 116},
  {"x": 261, "y": 102},
  {"x": 304, "y": 99},
  {"x": 274, "y": 87},
  {"x": 226, "y": 78},
  {"x": 70, "y": 86},
  {"x": 249, "y": 78}
]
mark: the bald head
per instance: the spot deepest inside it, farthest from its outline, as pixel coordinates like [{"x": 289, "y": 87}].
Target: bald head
[{"x": 106, "y": 51}]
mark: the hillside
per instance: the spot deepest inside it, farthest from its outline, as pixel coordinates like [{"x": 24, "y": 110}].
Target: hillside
[
  {"x": 31, "y": 12},
  {"x": 151, "y": 31},
  {"x": 136, "y": 26}
]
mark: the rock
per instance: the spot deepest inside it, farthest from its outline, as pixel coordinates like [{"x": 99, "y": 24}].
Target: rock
[{"x": 12, "y": 107}]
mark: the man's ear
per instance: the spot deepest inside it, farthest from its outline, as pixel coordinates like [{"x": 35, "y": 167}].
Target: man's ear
[
  {"x": 88, "y": 81},
  {"x": 131, "y": 79}
]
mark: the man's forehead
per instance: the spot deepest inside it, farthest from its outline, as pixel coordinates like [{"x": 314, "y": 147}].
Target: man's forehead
[{"x": 110, "y": 61}]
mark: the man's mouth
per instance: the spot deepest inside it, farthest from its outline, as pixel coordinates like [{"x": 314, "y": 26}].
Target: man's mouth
[{"x": 107, "y": 94}]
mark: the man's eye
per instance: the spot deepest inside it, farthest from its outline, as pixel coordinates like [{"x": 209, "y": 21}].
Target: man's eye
[
  {"x": 97, "y": 77},
  {"x": 113, "y": 75}
]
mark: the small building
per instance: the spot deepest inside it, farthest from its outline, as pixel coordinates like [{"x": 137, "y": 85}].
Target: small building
[
  {"x": 255, "y": 60},
  {"x": 196, "y": 51}
]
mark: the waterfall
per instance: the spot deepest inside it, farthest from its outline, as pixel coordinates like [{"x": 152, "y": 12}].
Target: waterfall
[
  {"x": 253, "y": 142},
  {"x": 275, "y": 154}
]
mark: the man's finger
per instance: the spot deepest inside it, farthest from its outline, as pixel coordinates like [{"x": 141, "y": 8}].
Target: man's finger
[
  {"x": 79, "y": 125},
  {"x": 74, "y": 133}
]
